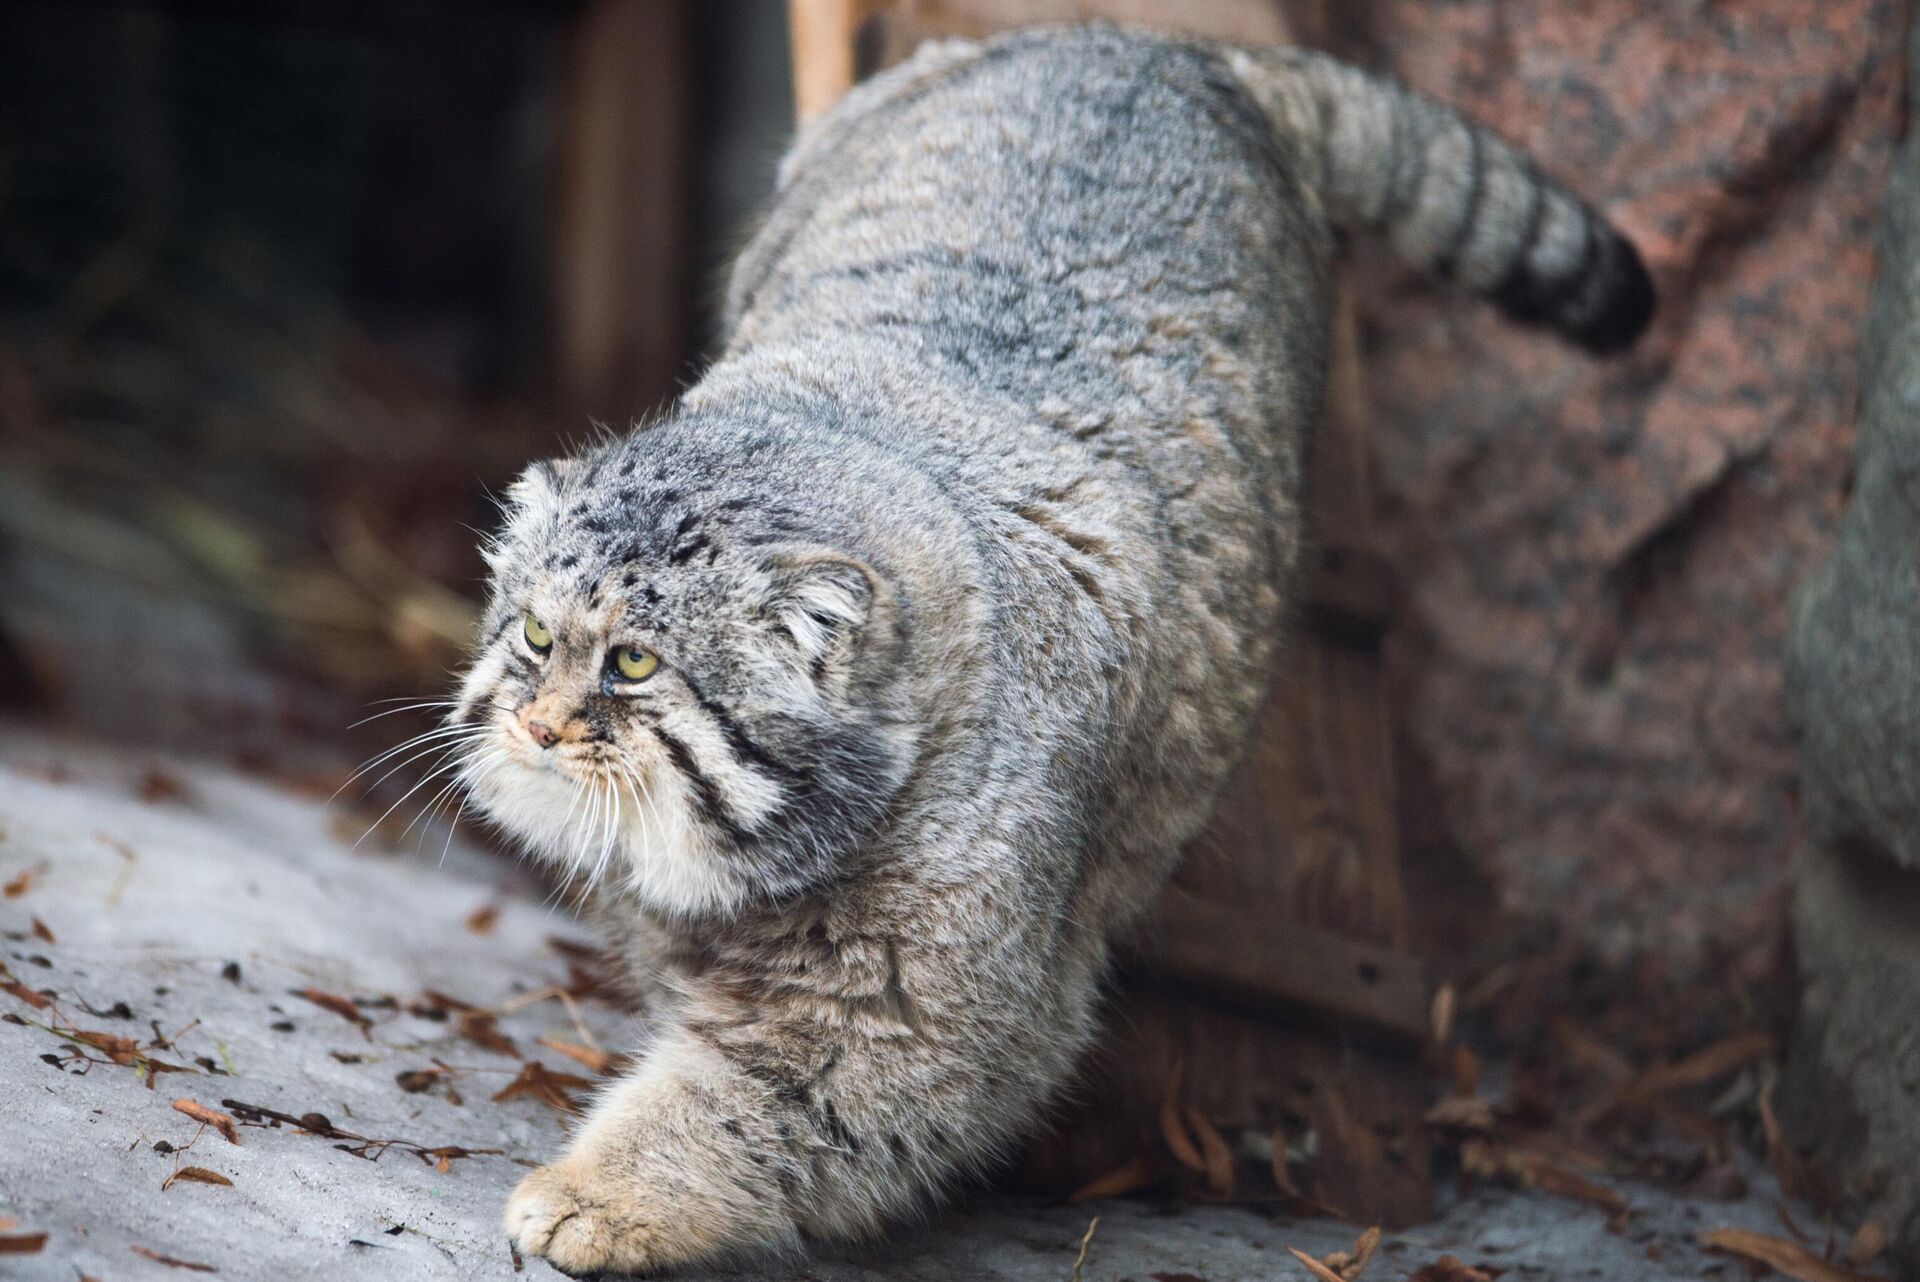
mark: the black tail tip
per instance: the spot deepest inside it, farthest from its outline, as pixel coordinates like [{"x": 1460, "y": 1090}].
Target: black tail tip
[{"x": 1626, "y": 304}]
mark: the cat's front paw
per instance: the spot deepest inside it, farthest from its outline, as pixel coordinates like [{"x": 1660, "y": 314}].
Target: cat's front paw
[{"x": 583, "y": 1219}]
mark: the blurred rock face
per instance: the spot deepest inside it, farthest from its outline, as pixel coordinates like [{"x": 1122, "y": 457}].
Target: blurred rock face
[
  {"x": 1599, "y": 556},
  {"x": 1854, "y": 1084}
]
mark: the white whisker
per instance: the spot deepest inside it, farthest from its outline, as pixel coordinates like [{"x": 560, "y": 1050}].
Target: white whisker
[
  {"x": 437, "y": 772},
  {"x": 412, "y": 707},
  {"x": 426, "y": 737}
]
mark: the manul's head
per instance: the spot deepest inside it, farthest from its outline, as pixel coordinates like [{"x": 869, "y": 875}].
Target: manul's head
[{"x": 677, "y": 691}]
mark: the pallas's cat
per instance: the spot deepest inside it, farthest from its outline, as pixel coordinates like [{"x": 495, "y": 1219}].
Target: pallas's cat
[{"x": 868, "y": 693}]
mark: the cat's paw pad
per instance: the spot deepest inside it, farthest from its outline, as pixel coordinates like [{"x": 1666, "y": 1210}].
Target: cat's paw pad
[{"x": 582, "y": 1221}]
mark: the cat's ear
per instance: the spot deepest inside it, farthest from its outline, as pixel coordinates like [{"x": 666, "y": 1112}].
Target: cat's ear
[
  {"x": 536, "y": 491},
  {"x": 829, "y": 607},
  {"x": 530, "y": 504}
]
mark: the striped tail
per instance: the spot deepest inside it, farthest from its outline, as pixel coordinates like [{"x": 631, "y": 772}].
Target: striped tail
[{"x": 1451, "y": 197}]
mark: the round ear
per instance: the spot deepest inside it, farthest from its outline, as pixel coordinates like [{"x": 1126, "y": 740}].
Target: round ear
[
  {"x": 533, "y": 500},
  {"x": 537, "y": 490},
  {"x": 828, "y": 606}
]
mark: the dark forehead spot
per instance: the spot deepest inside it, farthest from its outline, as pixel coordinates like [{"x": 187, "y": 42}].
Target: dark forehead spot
[{"x": 685, "y": 550}]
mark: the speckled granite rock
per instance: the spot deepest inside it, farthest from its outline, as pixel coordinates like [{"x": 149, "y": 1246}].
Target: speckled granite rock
[
  {"x": 1599, "y": 555},
  {"x": 1854, "y": 1086}
]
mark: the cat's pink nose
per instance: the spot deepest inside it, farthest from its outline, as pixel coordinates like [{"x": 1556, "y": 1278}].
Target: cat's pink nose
[{"x": 543, "y": 734}]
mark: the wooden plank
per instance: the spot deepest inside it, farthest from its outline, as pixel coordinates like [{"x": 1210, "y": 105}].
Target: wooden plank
[
  {"x": 620, "y": 208},
  {"x": 1311, "y": 816},
  {"x": 1259, "y": 955},
  {"x": 1350, "y": 592},
  {"x": 824, "y": 34}
]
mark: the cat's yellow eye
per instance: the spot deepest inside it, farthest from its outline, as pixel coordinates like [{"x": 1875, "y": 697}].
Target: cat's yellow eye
[
  {"x": 537, "y": 635},
  {"x": 635, "y": 664}
]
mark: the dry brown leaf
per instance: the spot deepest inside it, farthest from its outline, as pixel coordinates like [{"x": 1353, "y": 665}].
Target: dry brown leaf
[
  {"x": 1702, "y": 1066},
  {"x": 22, "y": 1243},
  {"x": 340, "y": 1006},
  {"x": 1352, "y": 1138},
  {"x": 157, "y": 786},
  {"x": 195, "y": 1175},
  {"x": 1448, "y": 1269},
  {"x": 171, "y": 1262},
  {"x": 1564, "y": 1183},
  {"x": 1443, "y": 1007},
  {"x": 1313, "y": 1266},
  {"x": 545, "y": 1085},
  {"x": 1214, "y": 1151},
  {"x": 1462, "y": 1113},
  {"x": 591, "y": 1057},
  {"x": 483, "y": 1030},
  {"x": 41, "y": 932},
  {"x": 432, "y": 1000},
  {"x": 1781, "y": 1255},
  {"x": 1129, "y": 1177},
  {"x": 201, "y": 1113},
  {"x": 1588, "y": 1052},
  {"x": 415, "y": 1080},
  {"x": 482, "y": 920},
  {"x": 1172, "y": 1129},
  {"x": 19, "y": 883},
  {"x": 121, "y": 1050},
  {"x": 1785, "y": 1163},
  {"x": 1869, "y": 1240},
  {"x": 1350, "y": 1264},
  {"x": 25, "y": 994},
  {"x": 1484, "y": 1157}
]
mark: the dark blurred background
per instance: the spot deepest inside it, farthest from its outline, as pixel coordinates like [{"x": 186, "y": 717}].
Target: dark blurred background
[{"x": 288, "y": 289}]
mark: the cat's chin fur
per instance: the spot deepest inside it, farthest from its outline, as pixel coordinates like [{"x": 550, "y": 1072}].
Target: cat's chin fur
[{"x": 652, "y": 854}]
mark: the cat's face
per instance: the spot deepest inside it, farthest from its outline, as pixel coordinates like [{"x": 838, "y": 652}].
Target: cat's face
[{"x": 674, "y": 696}]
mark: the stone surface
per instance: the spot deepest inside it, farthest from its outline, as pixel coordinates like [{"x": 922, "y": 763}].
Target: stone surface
[
  {"x": 1598, "y": 555},
  {"x": 227, "y": 869},
  {"x": 1854, "y": 1087},
  {"x": 1851, "y": 1093}
]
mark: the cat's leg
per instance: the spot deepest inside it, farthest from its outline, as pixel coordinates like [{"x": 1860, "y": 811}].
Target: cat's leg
[
  {"x": 675, "y": 1163},
  {"x": 757, "y": 1121}
]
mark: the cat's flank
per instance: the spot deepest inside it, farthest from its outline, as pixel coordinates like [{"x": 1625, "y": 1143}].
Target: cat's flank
[{"x": 879, "y": 685}]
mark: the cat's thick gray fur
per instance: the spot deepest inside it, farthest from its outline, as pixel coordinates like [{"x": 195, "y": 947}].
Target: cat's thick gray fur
[{"x": 967, "y": 562}]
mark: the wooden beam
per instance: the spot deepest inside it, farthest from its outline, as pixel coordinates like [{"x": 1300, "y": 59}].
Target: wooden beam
[
  {"x": 620, "y": 209},
  {"x": 1267, "y": 959},
  {"x": 824, "y": 35}
]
